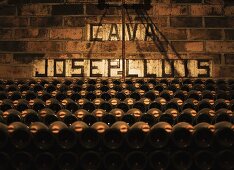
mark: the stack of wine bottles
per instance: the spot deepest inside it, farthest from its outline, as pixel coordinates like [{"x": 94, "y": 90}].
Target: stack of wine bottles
[{"x": 96, "y": 124}]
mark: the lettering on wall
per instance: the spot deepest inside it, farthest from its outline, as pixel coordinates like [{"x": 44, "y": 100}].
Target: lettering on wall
[
  {"x": 113, "y": 32},
  {"x": 113, "y": 68}
]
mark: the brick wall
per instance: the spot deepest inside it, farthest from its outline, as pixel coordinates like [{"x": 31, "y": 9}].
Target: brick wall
[{"x": 56, "y": 29}]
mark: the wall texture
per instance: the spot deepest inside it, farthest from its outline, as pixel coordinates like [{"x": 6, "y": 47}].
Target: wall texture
[{"x": 60, "y": 29}]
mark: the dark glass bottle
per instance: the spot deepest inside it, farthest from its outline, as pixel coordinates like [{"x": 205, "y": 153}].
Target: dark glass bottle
[
  {"x": 44, "y": 161},
  {"x": 19, "y": 135},
  {"x": 4, "y": 160},
  {"x": 113, "y": 137},
  {"x": 67, "y": 161},
  {"x": 204, "y": 160},
  {"x": 90, "y": 160},
  {"x": 37, "y": 104},
  {"x": 136, "y": 160},
  {"x": 224, "y": 135},
  {"x": 21, "y": 161},
  {"x": 66, "y": 137},
  {"x": 29, "y": 115},
  {"x": 66, "y": 116},
  {"x": 169, "y": 116},
  {"x": 3, "y": 135},
  {"x": 224, "y": 160},
  {"x": 159, "y": 135},
  {"x": 159, "y": 160},
  {"x": 203, "y": 135},
  {"x": 113, "y": 161},
  {"x": 187, "y": 115},
  {"x": 11, "y": 116},
  {"x": 48, "y": 116},
  {"x": 53, "y": 104},
  {"x": 70, "y": 105},
  {"x": 136, "y": 136},
  {"x": 181, "y": 135},
  {"x": 41, "y": 136},
  {"x": 204, "y": 115},
  {"x": 181, "y": 160}
]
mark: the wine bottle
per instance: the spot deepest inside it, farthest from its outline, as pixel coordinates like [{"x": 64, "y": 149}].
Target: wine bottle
[
  {"x": 3, "y": 135},
  {"x": 67, "y": 160},
  {"x": 19, "y": 135},
  {"x": 113, "y": 161},
  {"x": 224, "y": 134},
  {"x": 136, "y": 160},
  {"x": 90, "y": 160},
  {"x": 21, "y": 161},
  {"x": 66, "y": 137},
  {"x": 158, "y": 160},
  {"x": 41, "y": 136},
  {"x": 181, "y": 135},
  {"x": 11, "y": 116},
  {"x": 203, "y": 135},
  {"x": 159, "y": 135},
  {"x": 44, "y": 161},
  {"x": 181, "y": 160},
  {"x": 136, "y": 136},
  {"x": 204, "y": 160}
]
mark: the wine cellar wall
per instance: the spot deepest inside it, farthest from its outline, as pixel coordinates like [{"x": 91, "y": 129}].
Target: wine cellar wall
[{"x": 71, "y": 32}]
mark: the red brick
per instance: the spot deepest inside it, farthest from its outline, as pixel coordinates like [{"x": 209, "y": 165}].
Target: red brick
[
  {"x": 229, "y": 10},
  {"x": 75, "y": 33},
  {"x": 6, "y": 33},
  {"x": 188, "y": 46},
  {"x": 226, "y": 71},
  {"x": 44, "y": 46},
  {"x": 150, "y": 46},
  {"x": 220, "y": 46},
  {"x": 186, "y": 21},
  {"x": 47, "y": 1},
  {"x": 203, "y": 10},
  {"x": 158, "y": 21},
  {"x": 46, "y": 21},
  {"x": 13, "y": 22},
  {"x": 110, "y": 46},
  {"x": 82, "y": 46},
  {"x": 213, "y": 2},
  {"x": 12, "y": 46},
  {"x": 229, "y": 34},
  {"x": 216, "y": 58},
  {"x": 92, "y": 9},
  {"x": 187, "y": 1},
  {"x": 31, "y": 33},
  {"x": 68, "y": 9},
  {"x": 173, "y": 34},
  {"x": 6, "y": 10},
  {"x": 35, "y": 9},
  {"x": 18, "y": 1},
  {"x": 205, "y": 34},
  {"x": 27, "y": 58},
  {"x": 219, "y": 22},
  {"x": 72, "y": 21},
  {"x": 170, "y": 10},
  {"x": 229, "y": 59}
]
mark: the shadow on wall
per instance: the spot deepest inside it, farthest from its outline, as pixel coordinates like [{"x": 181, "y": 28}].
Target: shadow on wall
[{"x": 159, "y": 40}]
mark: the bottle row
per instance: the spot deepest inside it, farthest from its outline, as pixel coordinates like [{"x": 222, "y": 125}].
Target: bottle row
[
  {"x": 120, "y": 136},
  {"x": 112, "y": 89},
  {"x": 144, "y": 104},
  {"x": 136, "y": 160},
  {"x": 117, "y": 81},
  {"x": 152, "y": 116}
]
